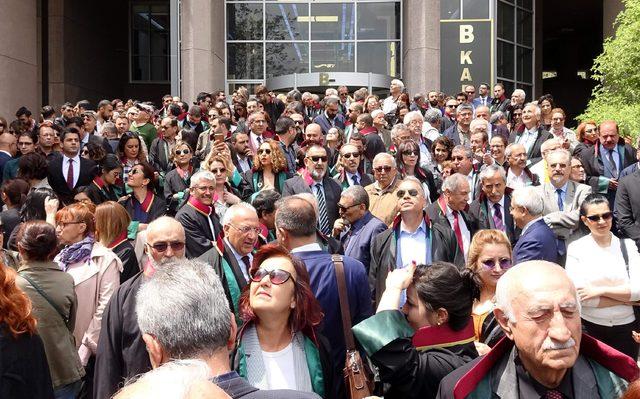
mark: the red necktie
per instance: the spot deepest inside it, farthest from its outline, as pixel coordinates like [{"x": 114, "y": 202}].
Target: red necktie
[
  {"x": 553, "y": 394},
  {"x": 70, "y": 174},
  {"x": 457, "y": 231}
]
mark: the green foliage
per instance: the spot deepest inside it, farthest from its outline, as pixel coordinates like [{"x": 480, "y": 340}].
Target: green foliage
[{"x": 617, "y": 95}]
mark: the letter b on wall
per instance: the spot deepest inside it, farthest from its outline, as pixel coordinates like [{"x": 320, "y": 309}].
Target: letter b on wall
[{"x": 466, "y": 33}]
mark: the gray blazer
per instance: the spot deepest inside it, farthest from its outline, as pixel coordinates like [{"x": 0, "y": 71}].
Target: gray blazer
[{"x": 565, "y": 224}]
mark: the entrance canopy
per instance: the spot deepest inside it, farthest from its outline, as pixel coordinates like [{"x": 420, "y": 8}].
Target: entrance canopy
[{"x": 317, "y": 82}]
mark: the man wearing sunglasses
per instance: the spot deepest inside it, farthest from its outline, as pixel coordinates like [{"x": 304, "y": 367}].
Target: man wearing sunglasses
[
  {"x": 382, "y": 193},
  {"x": 350, "y": 175},
  {"x": 354, "y": 110},
  {"x": 121, "y": 351},
  {"x": 314, "y": 179}
]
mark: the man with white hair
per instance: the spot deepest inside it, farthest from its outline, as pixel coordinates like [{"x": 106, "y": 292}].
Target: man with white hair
[
  {"x": 540, "y": 168},
  {"x": 382, "y": 193},
  {"x": 544, "y": 353},
  {"x": 198, "y": 217},
  {"x": 459, "y": 133},
  {"x": 121, "y": 352},
  {"x": 433, "y": 117},
  {"x": 381, "y": 125},
  {"x": 395, "y": 89},
  {"x": 537, "y": 241},
  {"x": 532, "y": 134},
  {"x": 414, "y": 121}
]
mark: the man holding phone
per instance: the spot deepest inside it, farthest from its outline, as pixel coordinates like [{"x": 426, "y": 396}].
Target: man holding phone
[{"x": 218, "y": 131}]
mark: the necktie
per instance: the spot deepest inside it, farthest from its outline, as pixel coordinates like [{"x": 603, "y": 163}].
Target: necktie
[
  {"x": 614, "y": 169},
  {"x": 497, "y": 217},
  {"x": 457, "y": 231},
  {"x": 247, "y": 263},
  {"x": 259, "y": 138},
  {"x": 323, "y": 218},
  {"x": 356, "y": 181},
  {"x": 70, "y": 174},
  {"x": 560, "y": 203},
  {"x": 553, "y": 394}
]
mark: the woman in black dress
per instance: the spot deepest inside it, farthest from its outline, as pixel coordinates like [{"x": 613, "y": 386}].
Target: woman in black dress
[
  {"x": 112, "y": 222},
  {"x": 106, "y": 186}
]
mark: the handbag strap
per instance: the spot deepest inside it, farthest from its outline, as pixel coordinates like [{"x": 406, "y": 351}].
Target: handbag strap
[
  {"x": 46, "y": 297},
  {"x": 344, "y": 301}
]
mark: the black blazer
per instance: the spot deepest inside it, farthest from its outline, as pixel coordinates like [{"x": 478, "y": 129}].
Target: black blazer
[
  {"x": 594, "y": 167},
  {"x": 58, "y": 182},
  {"x": 480, "y": 216},
  {"x": 627, "y": 207},
  {"x": 435, "y": 214},
  {"x": 332, "y": 191}
]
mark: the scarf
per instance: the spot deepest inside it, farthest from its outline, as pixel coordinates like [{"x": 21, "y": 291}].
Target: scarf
[{"x": 76, "y": 253}]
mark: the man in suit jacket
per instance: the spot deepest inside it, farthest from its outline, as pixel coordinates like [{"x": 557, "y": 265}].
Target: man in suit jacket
[
  {"x": 491, "y": 209},
  {"x": 459, "y": 133},
  {"x": 350, "y": 175},
  {"x": 86, "y": 137},
  {"x": 314, "y": 179},
  {"x": 537, "y": 241},
  {"x": 604, "y": 162},
  {"x": 69, "y": 171},
  {"x": 627, "y": 207},
  {"x": 330, "y": 117},
  {"x": 483, "y": 98},
  {"x": 8, "y": 148},
  {"x": 531, "y": 135},
  {"x": 562, "y": 199}
]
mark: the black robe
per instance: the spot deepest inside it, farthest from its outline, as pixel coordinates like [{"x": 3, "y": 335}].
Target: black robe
[
  {"x": 158, "y": 208},
  {"x": 99, "y": 195},
  {"x": 127, "y": 255},
  {"x": 197, "y": 231},
  {"x": 122, "y": 353}
]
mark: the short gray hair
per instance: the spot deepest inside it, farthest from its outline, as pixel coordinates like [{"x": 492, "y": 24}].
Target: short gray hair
[
  {"x": 562, "y": 151},
  {"x": 479, "y": 121},
  {"x": 411, "y": 116},
  {"x": 184, "y": 306},
  {"x": 384, "y": 155},
  {"x": 398, "y": 82},
  {"x": 174, "y": 379},
  {"x": 536, "y": 109},
  {"x": 453, "y": 182},
  {"x": 496, "y": 116},
  {"x": 294, "y": 216},
  {"x": 375, "y": 112},
  {"x": 491, "y": 170},
  {"x": 466, "y": 150},
  {"x": 464, "y": 107},
  {"x": 331, "y": 92},
  {"x": 108, "y": 127},
  {"x": 397, "y": 128},
  {"x": 201, "y": 175},
  {"x": 510, "y": 147},
  {"x": 358, "y": 194},
  {"x": 528, "y": 197},
  {"x": 519, "y": 92},
  {"x": 433, "y": 115},
  {"x": 234, "y": 210}
]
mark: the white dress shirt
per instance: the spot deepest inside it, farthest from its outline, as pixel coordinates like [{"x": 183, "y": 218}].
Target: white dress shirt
[
  {"x": 527, "y": 138},
  {"x": 238, "y": 257},
  {"x": 514, "y": 181},
  {"x": 254, "y": 140},
  {"x": 76, "y": 168}
]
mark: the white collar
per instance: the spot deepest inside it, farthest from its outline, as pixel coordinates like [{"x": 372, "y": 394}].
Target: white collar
[{"x": 307, "y": 248}]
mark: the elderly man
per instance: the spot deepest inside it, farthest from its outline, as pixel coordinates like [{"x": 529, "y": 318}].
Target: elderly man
[
  {"x": 409, "y": 238},
  {"x": 562, "y": 199},
  {"x": 544, "y": 354},
  {"x": 414, "y": 121},
  {"x": 350, "y": 174},
  {"x": 395, "y": 89},
  {"x": 491, "y": 209},
  {"x": 459, "y": 133},
  {"x": 433, "y": 117},
  {"x": 518, "y": 173},
  {"x": 450, "y": 210},
  {"x": 382, "y": 193},
  {"x": 462, "y": 158},
  {"x": 357, "y": 227},
  {"x": 330, "y": 117},
  {"x": 604, "y": 162},
  {"x": 194, "y": 322},
  {"x": 121, "y": 352},
  {"x": 495, "y": 129},
  {"x": 541, "y": 168},
  {"x": 258, "y": 124},
  {"x": 537, "y": 241},
  {"x": 532, "y": 134},
  {"x": 315, "y": 179},
  {"x": 381, "y": 126},
  {"x": 399, "y": 133},
  {"x": 198, "y": 217}
]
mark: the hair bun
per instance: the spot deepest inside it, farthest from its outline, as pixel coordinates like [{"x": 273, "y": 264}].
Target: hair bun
[{"x": 472, "y": 282}]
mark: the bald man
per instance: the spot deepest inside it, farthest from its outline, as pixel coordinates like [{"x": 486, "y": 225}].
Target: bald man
[
  {"x": 544, "y": 353},
  {"x": 121, "y": 350},
  {"x": 8, "y": 149}
]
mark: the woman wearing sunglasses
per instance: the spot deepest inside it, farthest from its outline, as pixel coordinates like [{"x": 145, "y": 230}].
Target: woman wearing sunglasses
[
  {"x": 106, "y": 186},
  {"x": 408, "y": 160},
  {"x": 587, "y": 135},
  {"x": 224, "y": 195},
  {"x": 606, "y": 273},
  {"x": 278, "y": 347},
  {"x": 490, "y": 258},
  {"x": 269, "y": 171},
  {"x": 177, "y": 180},
  {"x": 142, "y": 204},
  {"x": 432, "y": 334}
]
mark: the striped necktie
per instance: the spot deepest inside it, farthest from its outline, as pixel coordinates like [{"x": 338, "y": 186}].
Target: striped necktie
[{"x": 323, "y": 218}]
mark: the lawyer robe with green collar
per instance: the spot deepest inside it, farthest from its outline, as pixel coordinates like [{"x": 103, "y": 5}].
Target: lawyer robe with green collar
[{"x": 413, "y": 362}]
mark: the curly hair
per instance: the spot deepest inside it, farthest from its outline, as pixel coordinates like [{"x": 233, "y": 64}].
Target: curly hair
[
  {"x": 278, "y": 161},
  {"x": 307, "y": 313},
  {"x": 15, "y": 306}
]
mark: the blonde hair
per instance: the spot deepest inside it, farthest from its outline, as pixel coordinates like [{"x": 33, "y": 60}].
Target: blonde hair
[
  {"x": 480, "y": 240},
  {"x": 111, "y": 220},
  {"x": 278, "y": 162}
]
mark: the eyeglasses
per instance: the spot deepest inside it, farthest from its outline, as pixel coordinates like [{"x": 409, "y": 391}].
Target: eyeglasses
[
  {"x": 219, "y": 171},
  {"x": 162, "y": 246},
  {"x": 298, "y": 123},
  {"x": 451, "y": 106},
  {"x": 186, "y": 151},
  {"x": 592, "y": 130},
  {"x": 458, "y": 158},
  {"x": 134, "y": 172},
  {"x": 260, "y": 121},
  {"x": 342, "y": 208},
  {"x": 62, "y": 225},
  {"x": 349, "y": 155},
  {"x": 379, "y": 169},
  {"x": 276, "y": 276},
  {"x": 409, "y": 152},
  {"x": 412, "y": 193},
  {"x": 604, "y": 216},
  {"x": 266, "y": 151},
  {"x": 504, "y": 263},
  {"x": 206, "y": 188},
  {"x": 317, "y": 158},
  {"x": 247, "y": 229}
]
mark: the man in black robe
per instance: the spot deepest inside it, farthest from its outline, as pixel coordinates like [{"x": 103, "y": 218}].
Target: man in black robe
[
  {"x": 198, "y": 217},
  {"x": 121, "y": 351}
]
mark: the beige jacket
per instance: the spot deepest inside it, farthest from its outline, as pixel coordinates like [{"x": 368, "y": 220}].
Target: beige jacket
[
  {"x": 94, "y": 281},
  {"x": 383, "y": 204}
]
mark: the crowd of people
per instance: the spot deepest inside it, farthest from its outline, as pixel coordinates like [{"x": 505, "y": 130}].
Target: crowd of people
[{"x": 247, "y": 246}]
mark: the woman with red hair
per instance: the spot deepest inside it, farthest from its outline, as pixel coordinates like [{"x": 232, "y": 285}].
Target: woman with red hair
[
  {"x": 278, "y": 347},
  {"x": 24, "y": 372}
]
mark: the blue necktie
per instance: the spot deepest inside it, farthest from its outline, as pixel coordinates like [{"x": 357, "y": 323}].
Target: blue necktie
[{"x": 560, "y": 203}]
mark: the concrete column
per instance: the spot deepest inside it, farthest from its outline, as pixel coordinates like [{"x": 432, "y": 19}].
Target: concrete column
[
  {"x": 202, "y": 48},
  {"x": 18, "y": 57},
  {"x": 421, "y": 45},
  {"x": 610, "y": 10}
]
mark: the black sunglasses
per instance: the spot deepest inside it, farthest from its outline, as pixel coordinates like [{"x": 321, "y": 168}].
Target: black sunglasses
[
  {"x": 350, "y": 155},
  {"x": 276, "y": 276},
  {"x": 379, "y": 169},
  {"x": 317, "y": 158},
  {"x": 412, "y": 192},
  {"x": 504, "y": 263},
  {"x": 604, "y": 216},
  {"x": 183, "y": 152},
  {"x": 162, "y": 246},
  {"x": 264, "y": 151},
  {"x": 218, "y": 171},
  {"x": 342, "y": 208},
  {"x": 409, "y": 152}
]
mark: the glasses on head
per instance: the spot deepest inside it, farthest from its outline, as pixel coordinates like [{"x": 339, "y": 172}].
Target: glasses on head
[
  {"x": 603, "y": 216},
  {"x": 186, "y": 151},
  {"x": 318, "y": 158},
  {"x": 266, "y": 151},
  {"x": 412, "y": 193},
  {"x": 411, "y": 152},
  {"x": 504, "y": 263},
  {"x": 381, "y": 169},
  {"x": 162, "y": 246},
  {"x": 349, "y": 155},
  {"x": 219, "y": 171},
  {"x": 342, "y": 208},
  {"x": 276, "y": 276},
  {"x": 247, "y": 229}
]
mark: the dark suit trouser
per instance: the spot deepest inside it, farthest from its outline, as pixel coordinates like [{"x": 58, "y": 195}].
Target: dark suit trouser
[{"x": 618, "y": 337}]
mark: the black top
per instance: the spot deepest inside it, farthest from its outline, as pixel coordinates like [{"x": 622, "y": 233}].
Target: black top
[
  {"x": 127, "y": 255},
  {"x": 237, "y": 387},
  {"x": 10, "y": 219}
]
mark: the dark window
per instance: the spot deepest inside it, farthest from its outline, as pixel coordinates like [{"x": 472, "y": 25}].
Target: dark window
[{"x": 150, "y": 42}]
